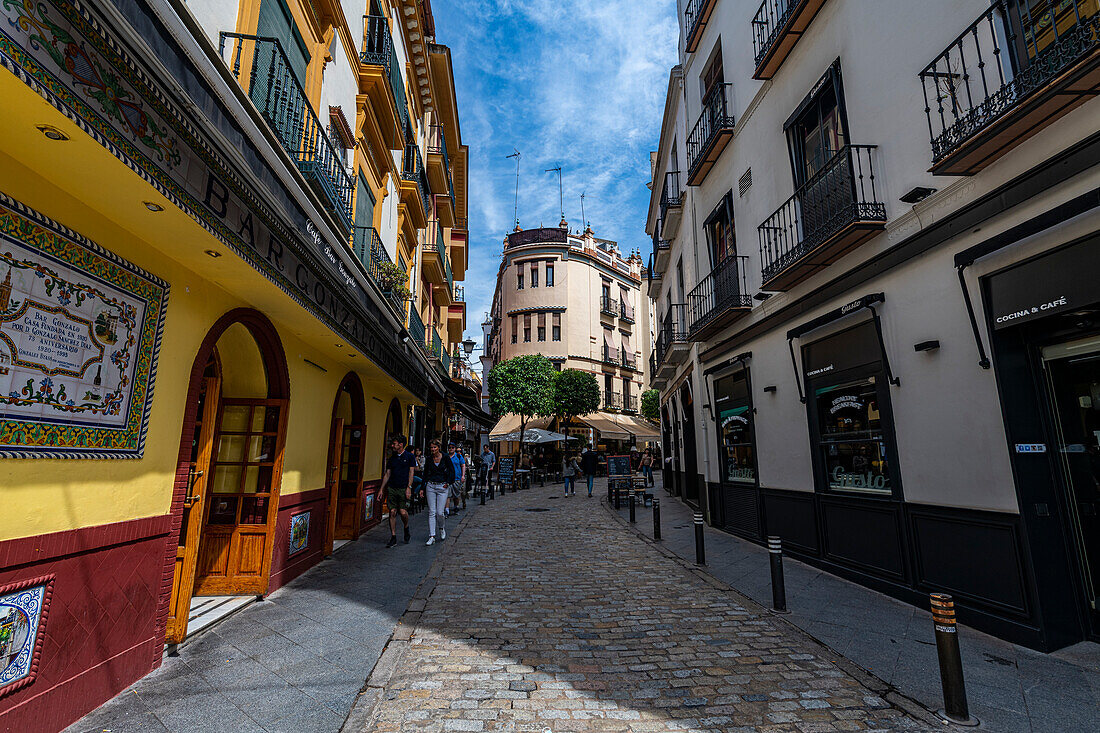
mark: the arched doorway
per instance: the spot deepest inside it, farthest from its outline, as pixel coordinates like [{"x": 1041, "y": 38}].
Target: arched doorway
[
  {"x": 347, "y": 452},
  {"x": 229, "y": 468}
]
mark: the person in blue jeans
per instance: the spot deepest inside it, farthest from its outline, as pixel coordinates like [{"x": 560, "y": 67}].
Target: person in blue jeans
[
  {"x": 589, "y": 462},
  {"x": 439, "y": 474},
  {"x": 458, "y": 488},
  {"x": 570, "y": 471}
]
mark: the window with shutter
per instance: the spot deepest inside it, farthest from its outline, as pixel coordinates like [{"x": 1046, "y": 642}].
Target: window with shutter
[{"x": 275, "y": 21}]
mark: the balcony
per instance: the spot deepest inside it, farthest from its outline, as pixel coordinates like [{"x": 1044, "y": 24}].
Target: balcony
[
  {"x": 672, "y": 205},
  {"x": 612, "y": 400},
  {"x": 456, "y": 315},
  {"x": 828, "y": 216},
  {"x": 776, "y": 28},
  {"x": 710, "y": 135},
  {"x": 416, "y": 325},
  {"x": 414, "y": 187},
  {"x": 609, "y": 355},
  {"x": 261, "y": 68},
  {"x": 609, "y": 306},
  {"x": 380, "y": 78},
  {"x": 696, "y": 15},
  {"x": 368, "y": 249},
  {"x": 630, "y": 403},
  {"x": 672, "y": 345},
  {"x": 437, "y": 353},
  {"x": 436, "y": 264},
  {"x": 719, "y": 299},
  {"x": 662, "y": 250},
  {"x": 626, "y": 311},
  {"x": 1019, "y": 67},
  {"x": 629, "y": 360},
  {"x": 439, "y": 175},
  {"x": 653, "y": 279}
]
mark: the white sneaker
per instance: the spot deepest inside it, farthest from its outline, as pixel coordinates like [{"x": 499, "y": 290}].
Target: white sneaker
[
  {"x": 431, "y": 540},
  {"x": 442, "y": 534}
]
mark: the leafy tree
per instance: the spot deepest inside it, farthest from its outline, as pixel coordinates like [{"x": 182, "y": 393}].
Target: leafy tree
[
  {"x": 522, "y": 386},
  {"x": 575, "y": 393},
  {"x": 651, "y": 404}
]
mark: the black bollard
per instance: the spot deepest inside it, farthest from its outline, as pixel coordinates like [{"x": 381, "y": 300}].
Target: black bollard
[
  {"x": 492, "y": 491},
  {"x": 656, "y": 518},
  {"x": 700, "y": 552},
  {"x": 481, "y": 491},
  {"x": 632, "y": 520},
  {"x": 779, "y": 590},
  {"x": 955, "y": 708}
]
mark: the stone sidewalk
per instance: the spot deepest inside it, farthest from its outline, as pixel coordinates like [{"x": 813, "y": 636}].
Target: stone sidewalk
[
  {"x": 1010, "y": 688},
  {"x": 293, "y": 662},
  {"x": 545, "y": 614}
]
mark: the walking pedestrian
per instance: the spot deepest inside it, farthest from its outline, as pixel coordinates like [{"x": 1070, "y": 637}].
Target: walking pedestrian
[
  {"x": 570, "y": 471},
  {"x": 398, "y": 480},
  {"x": 489, "y": 462},
  {"x": 439, "y": 474},
  {"x": 458, "y": 488},
  {"x": 647, "y": 467},
  {"x": 589, "y": 462}
]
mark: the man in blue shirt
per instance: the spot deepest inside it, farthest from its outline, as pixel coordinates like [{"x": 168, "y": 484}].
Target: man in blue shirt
[
  {"x": 488, "y": 463},
  {"x": 458, "y": 488},
  {"x": 398, "y": 480}
]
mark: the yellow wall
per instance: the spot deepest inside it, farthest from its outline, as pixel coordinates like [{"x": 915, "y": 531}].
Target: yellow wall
[{"x": 74, "y": 182}]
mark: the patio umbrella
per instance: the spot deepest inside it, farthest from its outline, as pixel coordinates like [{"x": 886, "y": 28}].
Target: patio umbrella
[{"x": 533, "y": 436}]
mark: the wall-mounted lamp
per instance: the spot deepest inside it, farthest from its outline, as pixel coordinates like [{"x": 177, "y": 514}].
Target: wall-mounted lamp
[
  {"x": 153, "y": 206},
  {"x": 927, "y": 345},
  {"x": 918, "y": 194},
  {"x": 762, "y": 296},
  {"x": 52, "y": 133},
  {"x": 212, "y": 253},
  {"x": 770, "y": 388}
]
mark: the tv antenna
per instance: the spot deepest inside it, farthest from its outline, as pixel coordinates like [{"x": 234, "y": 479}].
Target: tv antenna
[
  {"x": 517, "y": 155},
  {"x": 561, "y": 198},
  {"x": 584, "y": 219}
]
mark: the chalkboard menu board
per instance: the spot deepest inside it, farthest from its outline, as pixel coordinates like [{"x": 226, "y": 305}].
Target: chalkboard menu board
[
  {"x": 506, "y": 470},
  {"x": 618, "y": 473}
]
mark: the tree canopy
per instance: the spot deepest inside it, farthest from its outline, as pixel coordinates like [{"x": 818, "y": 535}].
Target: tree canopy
[
  {"x": 575, "y": 393},
  {"x": 651, "y": 404},
  {"x": 524, "y": 386}
]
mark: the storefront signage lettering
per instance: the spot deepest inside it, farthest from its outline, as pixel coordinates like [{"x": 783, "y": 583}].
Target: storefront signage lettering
[
  {"x": 868, "y": 480},
  {"x": 741, "y": 474},
  {"x": 1060, "y": 303},
  {"x": 1061, "y": 280},
  {"x": 79, "y": 335},
  {"x": 846, "y": 402},
  {"x": 821, "y": 370},
  {"x": 1031, "y": 448},
  {"x": 739, "y": 419}
]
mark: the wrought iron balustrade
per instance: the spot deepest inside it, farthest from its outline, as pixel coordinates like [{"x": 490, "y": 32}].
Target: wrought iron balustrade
[
  {"x": 412, "y": 169},
  {"x": 629, "y": 360},
  {"x": 715, "y": 118},
  {"x": 460, "y": 294},
  {"x": 437, "y": 144},
  {"x": 434, "y": 243},
  {"x": 435, "y": 350},
  {"x": 626, "y": 311},
  {"x": 261, "y": 67},
  {"x": 721, "y": 290},
  {"x": 768, "y": 24},
  {"x": 672, "y": 329},
  {"x": 609, "y": 305},
  {"x": 612, "y": 401},
  {"x": 1014, "y": 49},
  {"x": 368, "y": 249},
  {"x": 841, "y": 193},
  {"x": 630, "y": 403},
  {"x": 610, "y": 355},
  {"x": 378, "y": 50},
  {"x": 461, "y": 223},
  {"x": 695, "y": 11},
  {"x": 416, "y": 325},
  {"x": 671, "y": 195}
]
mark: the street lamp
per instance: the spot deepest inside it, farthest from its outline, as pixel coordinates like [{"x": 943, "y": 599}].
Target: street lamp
[{"x": 468, "y": 346}]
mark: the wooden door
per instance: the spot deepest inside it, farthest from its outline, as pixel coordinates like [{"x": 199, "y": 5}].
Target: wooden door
[
  {"x": 183, "y": 579},
  {"x": 242, "y": 498},
  {"x": 332, "y": 480},
  {"x": 350, "y": 501}
]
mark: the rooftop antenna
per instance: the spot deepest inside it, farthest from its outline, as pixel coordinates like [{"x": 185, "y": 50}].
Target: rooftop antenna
[
  {"x": 584, "y": 219},
  {"x": 561, "y": 198},
  {"x": 517, "y": 155}
]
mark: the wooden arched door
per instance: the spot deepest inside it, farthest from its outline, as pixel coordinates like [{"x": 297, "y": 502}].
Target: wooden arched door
[{"x": 346, "y": 457}]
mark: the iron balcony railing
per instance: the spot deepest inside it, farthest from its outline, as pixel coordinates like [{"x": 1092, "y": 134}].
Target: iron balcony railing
[
  {"x": 1013, "y": 49},
  {"x": 434, "y": 346},
  {"x": 461, "y": 223},
  {"x": 672, "y": 329},
  {"x": 435, "y": 243},
  {"x": 724, "y": 288},
  {"x": 610, "y": 355},
  {"x": 460, "y": 294},
  {"x": 840, "y": 193},
  {"x": 413, "y": 170},
  {"x": 437, "y": 144},
  {"x": 715, "y": 117},
  {"x": 653, "y": 364},
  {"x": 368, "y": 249},
  {"x": 275, "y": 90},
  {"x": 612, "y": 401},
  {"x": 630, "y": 403},
  {"x": 650, "y": 273},
  {"x": 768, "y": 24},
  {"x": 694, "y": 12},
  {"x": 378, "y": 50},
  {"x": 609, "y": 305},
  {"x": 416, "y": 325},
  {"x": 629, "y": 360},
  {"x": 626, "y": 311},
  {"x": 671, "y": 195}
]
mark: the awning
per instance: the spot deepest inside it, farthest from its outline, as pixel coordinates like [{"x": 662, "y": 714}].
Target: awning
[
  {"x": 605, "y": 425},
  {"x": 510, "y": 424},
  {"x": 641, "y": 429}
]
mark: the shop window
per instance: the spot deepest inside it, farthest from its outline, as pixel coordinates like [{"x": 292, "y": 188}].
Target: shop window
[
  {"x": 556, "y": 327},
  {"x": 735, "y": 429},
  {"x": 549, "y": 275},
  {"x": 850, "y": 437}
]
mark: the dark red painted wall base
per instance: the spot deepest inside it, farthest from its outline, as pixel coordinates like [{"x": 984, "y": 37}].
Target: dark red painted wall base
[
  {"x": 285, "y": 568},
  {"x": 100, "y": 634}
]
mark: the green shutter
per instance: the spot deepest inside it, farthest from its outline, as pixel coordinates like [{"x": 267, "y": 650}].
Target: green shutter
[
  {"x": 364, "y": 204},
  {"x": 275, "y": 21}
]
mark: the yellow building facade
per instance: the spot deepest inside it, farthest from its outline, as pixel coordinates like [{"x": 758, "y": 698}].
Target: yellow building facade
[{"x": 229, "y": 240}]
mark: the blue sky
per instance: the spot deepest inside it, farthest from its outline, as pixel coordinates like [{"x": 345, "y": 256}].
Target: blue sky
[{"x": 576, "y": 83}]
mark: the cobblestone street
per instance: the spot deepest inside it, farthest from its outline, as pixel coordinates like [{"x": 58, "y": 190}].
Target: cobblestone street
[{"x": 548, "y": 615}]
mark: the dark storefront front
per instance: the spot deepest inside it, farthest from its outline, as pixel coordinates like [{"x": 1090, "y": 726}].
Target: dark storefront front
[
  {"x": 1044, "y": 317},
  {"x": 735, "y": 499}
]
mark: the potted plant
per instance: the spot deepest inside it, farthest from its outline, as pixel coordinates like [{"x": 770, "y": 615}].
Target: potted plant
[{"x": 392, "y": 280}]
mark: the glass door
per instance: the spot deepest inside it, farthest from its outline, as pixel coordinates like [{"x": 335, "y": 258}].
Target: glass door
[{"x": 1073, "y": 378}]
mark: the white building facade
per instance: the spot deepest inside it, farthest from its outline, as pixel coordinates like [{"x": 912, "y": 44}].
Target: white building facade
[{"x": 882, "y": 350}]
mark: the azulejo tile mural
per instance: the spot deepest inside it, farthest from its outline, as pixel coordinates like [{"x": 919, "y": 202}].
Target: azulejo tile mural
[
  {"x": 23, "y": 609},
  {"x": 80, "y": 331},
  {"x": 299, "y": 533}
]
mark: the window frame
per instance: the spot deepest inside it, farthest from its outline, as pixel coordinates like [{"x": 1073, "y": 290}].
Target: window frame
[
  {"x": 745, "y": 404},
  {"x": 831, "y": 81}
]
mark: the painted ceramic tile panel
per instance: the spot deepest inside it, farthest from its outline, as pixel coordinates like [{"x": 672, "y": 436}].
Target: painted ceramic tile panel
[
  {"x": 299, "y": 532},
  {"x": 20, "y": 613}
]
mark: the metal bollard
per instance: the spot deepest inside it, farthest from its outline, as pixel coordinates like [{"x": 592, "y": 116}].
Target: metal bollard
[
  {"x": 955, "y": 708},
  {"x": 700, "y": 552},
  {"x": 779, "y": 590},
  {"x": 481, "y": 492},
  {"x": 492, "y": 491},
  {"x": 656, "y": 518},
  {"x": 618, "y": 499},
  {"x": 632, "y": 519}
]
